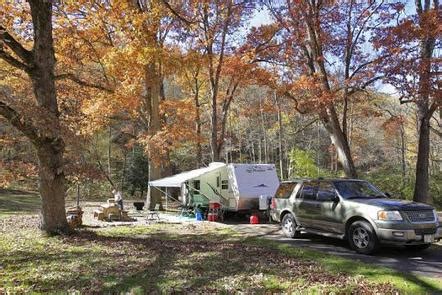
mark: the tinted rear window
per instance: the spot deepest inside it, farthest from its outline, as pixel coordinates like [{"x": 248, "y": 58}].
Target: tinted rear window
[{"x": 285, "y": 190}]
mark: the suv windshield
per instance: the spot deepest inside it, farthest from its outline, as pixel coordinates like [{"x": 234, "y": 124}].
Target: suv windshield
[{"x": 349, "y": 189}]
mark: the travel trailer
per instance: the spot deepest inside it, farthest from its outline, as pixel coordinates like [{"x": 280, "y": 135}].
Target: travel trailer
[{"x": 237, "y": 187}]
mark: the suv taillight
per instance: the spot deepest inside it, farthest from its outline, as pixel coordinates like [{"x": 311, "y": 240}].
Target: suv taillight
[{"x": 273, "y": 205}]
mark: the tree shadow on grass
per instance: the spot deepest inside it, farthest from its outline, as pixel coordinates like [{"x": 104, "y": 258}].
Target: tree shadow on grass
[
  {"x": 18, "y": 202},
  {"x": 159, "y": 262},
  {"x": 185, "y": 264}
]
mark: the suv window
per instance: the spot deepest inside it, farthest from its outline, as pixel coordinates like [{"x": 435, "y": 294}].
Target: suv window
[
  {"x": 309, "y": 191},
  {"x": 285, "y": 190},
  {"x": 326, "y": 191}
]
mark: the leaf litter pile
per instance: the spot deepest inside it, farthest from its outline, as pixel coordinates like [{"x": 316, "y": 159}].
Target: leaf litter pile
[{"x": 189, "y": 258}]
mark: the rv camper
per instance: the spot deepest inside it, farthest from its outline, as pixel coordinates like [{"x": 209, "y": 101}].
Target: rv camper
[{"x": 238, "y": 187}]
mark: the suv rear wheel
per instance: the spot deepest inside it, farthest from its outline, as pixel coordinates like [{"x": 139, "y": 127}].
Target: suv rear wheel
[
  {"x": 362, "y": 237},
  {"x": 288, "y": 225}
]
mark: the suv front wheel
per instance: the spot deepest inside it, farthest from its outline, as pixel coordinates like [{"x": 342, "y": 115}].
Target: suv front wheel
[
  {"x": 288, "y": 225},
  {"x": 362, "y": 237}
]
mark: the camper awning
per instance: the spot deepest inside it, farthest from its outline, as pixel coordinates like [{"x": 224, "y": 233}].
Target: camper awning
[{"x": 178, "y": 179}]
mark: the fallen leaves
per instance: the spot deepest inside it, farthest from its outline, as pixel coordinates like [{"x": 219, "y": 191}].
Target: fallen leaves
[{"x": 160, "y": 258}]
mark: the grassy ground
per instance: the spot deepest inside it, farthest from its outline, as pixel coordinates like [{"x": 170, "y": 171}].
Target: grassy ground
[
  {"x": 161, "y": 258},
  {"x": 14, "y": 202},
  {"x": 165, "y": 258},
  {"x": 168, "y": 258},
  {"x": 403, "y": 282}
]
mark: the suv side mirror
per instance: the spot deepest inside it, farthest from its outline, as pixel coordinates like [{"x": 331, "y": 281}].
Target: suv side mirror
[{"x": 335, "y": 198}]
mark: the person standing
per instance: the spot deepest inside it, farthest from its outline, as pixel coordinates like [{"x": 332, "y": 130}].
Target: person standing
[{"x": 118, "y": 197}]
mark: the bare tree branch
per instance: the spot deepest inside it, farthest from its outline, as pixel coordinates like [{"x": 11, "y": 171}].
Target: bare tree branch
[
  {"x": 13, "y": 61},
  {"x": 100, "y": 166},
  {"x": 292, "y": 97},
  {"x": 25, "y": 55},
  {"x": 16, "y": 120},
  {"x": 174, "y": 12},
  {"x": 365, "y": 85},
  {"x": 439, "y": 133},
  {"x": 81, "y": 82},
  {"x": 299, "y": 130}
]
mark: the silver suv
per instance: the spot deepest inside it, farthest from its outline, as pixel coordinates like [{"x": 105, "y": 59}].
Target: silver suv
[{"x": 355, "y": 210}]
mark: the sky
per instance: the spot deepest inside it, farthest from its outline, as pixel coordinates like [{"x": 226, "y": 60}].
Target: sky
[{"x": 261, "y": 17}]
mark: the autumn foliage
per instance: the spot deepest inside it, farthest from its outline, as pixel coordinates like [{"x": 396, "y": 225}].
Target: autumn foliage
[{"x": 191, "y": 82}]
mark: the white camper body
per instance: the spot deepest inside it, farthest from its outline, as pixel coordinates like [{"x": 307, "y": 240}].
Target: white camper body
[{"x": 237, "y": 187}]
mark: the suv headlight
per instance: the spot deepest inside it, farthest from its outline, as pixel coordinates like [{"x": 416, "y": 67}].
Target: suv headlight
[{"x": 389, "y": 215}]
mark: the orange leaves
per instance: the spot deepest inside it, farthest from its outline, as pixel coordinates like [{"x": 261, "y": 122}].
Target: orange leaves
[
  {"x": 12, "y": 171},
  {"x": 308, "y": 93},
  {"x": 178, "y": 111},
  {"x": 393, "y": 124},
  {"x": 410, "y": 47},
  {"x": 178, "y": 129}
]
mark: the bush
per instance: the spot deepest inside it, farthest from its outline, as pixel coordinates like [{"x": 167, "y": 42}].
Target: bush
[{"x": 389, "y": 179}]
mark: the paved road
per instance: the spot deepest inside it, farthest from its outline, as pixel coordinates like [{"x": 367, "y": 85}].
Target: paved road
[{"x": 426, "y": 263}]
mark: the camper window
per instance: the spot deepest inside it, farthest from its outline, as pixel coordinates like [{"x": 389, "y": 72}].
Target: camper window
[
  {"x": 217, "y": 181},
  {"x": 225, "y": 184},
  {"x": 196, "y": 186}
]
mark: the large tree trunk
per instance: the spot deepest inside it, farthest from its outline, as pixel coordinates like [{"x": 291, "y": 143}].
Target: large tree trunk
[
  {"x": 109, "y": 151},
  {"x": 52, "y": 187},
  {"x": 264, "y": 133},
  {"x": 331, "y": 123},
  {"x": 423, "y": 155},
  {"x": 199, "y": 150},
  {"x": 403, "y": 159},
  {"x": 153, "y": 94},
  {"x": 224, "y": 118},
  {"x": 328, "y": 113},
  {"x": 214, "y": 132},
  {"x": 424, "y": 106},
  {"x": 280, "y": 138},
  {"x": 50, "y": 148},
  {"x": 154, "y": 195}
]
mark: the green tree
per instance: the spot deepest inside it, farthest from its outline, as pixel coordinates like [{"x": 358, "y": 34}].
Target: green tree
[
  {"x": 302, "y": 164},
  {"x": 137, "y": 172}
]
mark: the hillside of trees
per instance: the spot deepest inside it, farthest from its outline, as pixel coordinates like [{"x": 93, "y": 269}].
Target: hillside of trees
[{"x": 100, "y": 94}]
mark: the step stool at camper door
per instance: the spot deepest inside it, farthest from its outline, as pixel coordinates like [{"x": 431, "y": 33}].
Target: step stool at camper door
[{"x": 216, "y": 212}]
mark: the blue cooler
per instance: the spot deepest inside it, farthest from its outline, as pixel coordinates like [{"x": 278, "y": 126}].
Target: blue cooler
[{"x": 199, "y": 216}]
